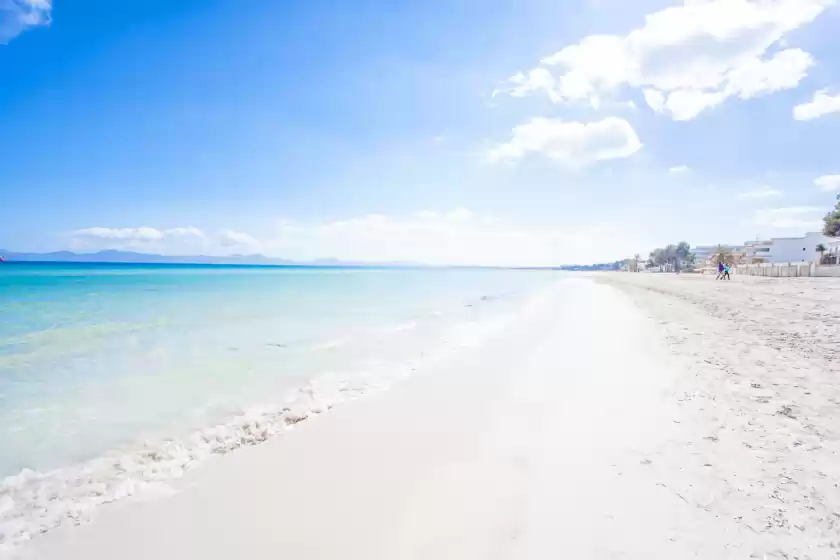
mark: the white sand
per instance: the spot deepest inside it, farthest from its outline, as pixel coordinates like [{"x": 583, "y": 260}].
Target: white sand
[
  {"x": 591, "y": 427},
  {"x": 761, "y": 393}
]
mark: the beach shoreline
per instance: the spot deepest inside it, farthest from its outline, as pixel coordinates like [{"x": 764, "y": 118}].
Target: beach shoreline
[
  {"x": 114, "y": 382},
  {"x": 593, "y": 425}
]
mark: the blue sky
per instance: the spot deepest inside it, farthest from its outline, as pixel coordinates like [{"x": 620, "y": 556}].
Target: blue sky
[{"x": 526, "y": 132}]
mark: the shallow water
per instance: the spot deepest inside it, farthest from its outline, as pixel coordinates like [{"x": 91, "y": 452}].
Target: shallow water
[{"x": 96, "y": 357}]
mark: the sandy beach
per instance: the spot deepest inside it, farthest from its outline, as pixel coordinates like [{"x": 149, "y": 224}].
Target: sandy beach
[
  {"x": 760, "y": 386},
  {"x": 615, "y": 416}
]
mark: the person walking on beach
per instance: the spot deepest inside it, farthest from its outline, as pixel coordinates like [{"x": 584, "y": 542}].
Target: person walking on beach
[
  {"x": 720, "y": 270},
  {"x": 726, "y": 272}
]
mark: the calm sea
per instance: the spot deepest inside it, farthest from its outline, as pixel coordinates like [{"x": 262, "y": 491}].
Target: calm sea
[{"x": 96, "y": 357}]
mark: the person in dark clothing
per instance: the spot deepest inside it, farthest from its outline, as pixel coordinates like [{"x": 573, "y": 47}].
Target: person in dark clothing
[{"x": 720, "y": 271}]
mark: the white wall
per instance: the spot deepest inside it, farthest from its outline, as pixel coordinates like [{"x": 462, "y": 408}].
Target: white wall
[
  {"x": 788, "y": 270},
  {"x": 796, "y": 249},
  {"x": 761, "y": 251}
]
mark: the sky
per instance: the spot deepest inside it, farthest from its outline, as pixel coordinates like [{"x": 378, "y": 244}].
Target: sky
[{"x": 512, "y": 132}]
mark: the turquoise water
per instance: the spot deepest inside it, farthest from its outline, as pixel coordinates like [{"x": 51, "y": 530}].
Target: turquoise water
[{"x": 95, "y": 357}]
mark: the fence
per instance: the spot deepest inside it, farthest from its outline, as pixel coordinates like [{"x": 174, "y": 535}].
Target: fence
[{"x": 788, "y": 270}]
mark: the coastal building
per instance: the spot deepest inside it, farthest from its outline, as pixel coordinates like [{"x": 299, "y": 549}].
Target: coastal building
[
  {"x": 737, "y": 253},
  {"x": 794, "y": 249},
  {"x": 756, "y": 252},
  {"x": 775, "y": 250},
  {"x": 706, "y": 255},
  {"x": 703, "y": 255}
]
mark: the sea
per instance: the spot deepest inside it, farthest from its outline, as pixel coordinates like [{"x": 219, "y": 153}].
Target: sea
[{"x": 114, "y": 377}]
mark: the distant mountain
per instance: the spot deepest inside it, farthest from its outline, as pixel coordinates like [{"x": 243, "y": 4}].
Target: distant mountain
[
  {"x": 144, "y": 258},
  {"x": 112, "y": 256}
]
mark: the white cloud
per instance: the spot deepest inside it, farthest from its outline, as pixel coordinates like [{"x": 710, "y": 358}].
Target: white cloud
[
  {"x": 685, "y": 104},
  {"x": 238, "y": 240},
  {"x": 795, "y": 217},
  {"x": 764, "y": 191},
  {"x": 18, "y": 15},
  {"x": 458, "y": 236},
  {"x": 784, "y": 70},
  {"x": 186, "y": 232},
  {"x": 141, "y": 234},
  {"x": 435, "y": 237},
  {"x": 144, "y": 239},
  {"x": 685, "y": 59},
  {"x": 655, "y": 99},
  {"x": 571, "y": 142},
  {"x": 540, "y": 80},
  {"x": 828, "y": 183},
  {"x": 678, "y": 169},
  {"x": 821, "y": 104}
]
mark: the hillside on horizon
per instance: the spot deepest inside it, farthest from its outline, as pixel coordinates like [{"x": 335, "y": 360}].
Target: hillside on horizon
[{"x": 114, "y": 256}]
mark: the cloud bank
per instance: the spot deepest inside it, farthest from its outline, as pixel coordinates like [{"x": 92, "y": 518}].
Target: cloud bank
[
  {"x": 828, "y": 183},
  {"x": 684, "y": 59},
  {"x": 16, "y": 16},
  {"x": 570, "y": 142},
  {"x": 454, "y": 237}
]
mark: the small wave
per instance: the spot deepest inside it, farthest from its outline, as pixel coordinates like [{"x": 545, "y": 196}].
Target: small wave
[{"x": 32, "y": 502}]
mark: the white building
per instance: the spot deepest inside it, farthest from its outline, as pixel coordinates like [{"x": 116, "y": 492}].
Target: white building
[
  {"x": 706, "y": 255},
  {"x": 756, "y": 252},
  {"x": 833, "y": 246},
  {"x": 794, "y": 249},
  {"x": 702, "y": 253}
]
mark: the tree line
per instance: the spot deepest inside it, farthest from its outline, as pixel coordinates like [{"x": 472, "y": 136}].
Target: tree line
[
  {"x": 677, "y": 256},
  {"x": 832, "y": 221}
]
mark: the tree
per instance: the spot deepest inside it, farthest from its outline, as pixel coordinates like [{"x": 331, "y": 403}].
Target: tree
[
  {"x": 683, "y": 250},
  {"x": 832, "y": 221},
  {"x": 661, "y": 257},
  {"x": 821, "y": 249},
  {"x": 671, "y": 255},
  {"x": 657, "y": 257},
  {"x": 723, "y": 254}
]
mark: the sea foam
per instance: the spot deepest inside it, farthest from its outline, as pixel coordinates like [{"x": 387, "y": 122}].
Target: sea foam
[{"x": 32, "y": 502}]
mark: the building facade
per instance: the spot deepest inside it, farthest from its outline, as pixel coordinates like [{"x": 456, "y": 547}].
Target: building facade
[
  {"x": 775, "y": 250},
  {"x": 756, "y": 252},
  {"x": 795, "y": 249},
  {"x": 703, "y": 254}
]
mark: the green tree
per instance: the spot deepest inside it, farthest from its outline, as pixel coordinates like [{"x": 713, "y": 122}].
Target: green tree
[
  {"x": 671, "y": 255},
  {"x": 832, "y": 221},
  {"x": 683, "y": 251},
  {"x": 821, "y": 249},
  {"x": 657, "y": 257}
]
